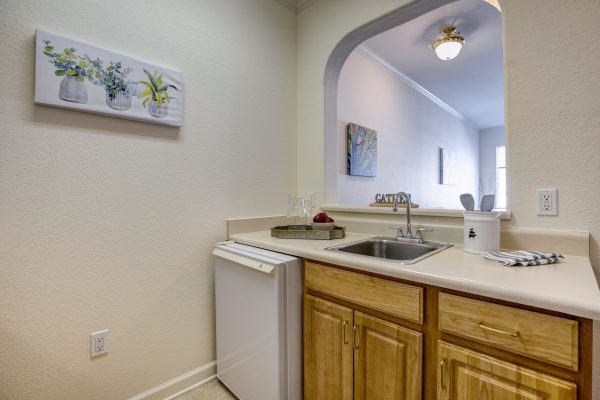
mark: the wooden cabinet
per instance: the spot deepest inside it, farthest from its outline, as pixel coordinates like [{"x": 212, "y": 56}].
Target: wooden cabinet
[
  {"x": 369, "y": 337},
  {"x": 387, "y": 360},
  {"x": 469, "y": 375},
  {"x": 327, "y": 350},
  {"x": 352, "y": 355},
  {"x": 540, "y": 336},
  {"x": 394, "y": 298}
]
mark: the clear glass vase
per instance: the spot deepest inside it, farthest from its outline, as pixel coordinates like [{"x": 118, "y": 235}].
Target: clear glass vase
[{"x": 296, "y": 213}]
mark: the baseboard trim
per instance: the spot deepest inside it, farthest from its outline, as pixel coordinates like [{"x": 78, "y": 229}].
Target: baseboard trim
[
  {"x": 181, "y": 384},
  {"x": 190, "y": 388}
]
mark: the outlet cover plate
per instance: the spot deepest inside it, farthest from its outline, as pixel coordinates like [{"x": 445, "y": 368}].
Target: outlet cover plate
[
  {"x": 547, "y": 202},
  {"x": 98, "y": 343}
]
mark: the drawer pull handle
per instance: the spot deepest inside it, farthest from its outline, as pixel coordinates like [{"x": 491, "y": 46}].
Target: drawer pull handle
[
  {"x": 345, "y": 334},
  {"x": 443, "y": 374},
  {"x": 512, "y": 334}
]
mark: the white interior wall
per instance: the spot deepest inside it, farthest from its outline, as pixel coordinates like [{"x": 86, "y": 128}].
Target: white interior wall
[
  {"x": 489, "y": 139},
  {"x": 551, "y": 113},
  {"x": 142, "y": 205},
  {"x": 410, "y": 130},
  {"x": 109, "y": 223}
]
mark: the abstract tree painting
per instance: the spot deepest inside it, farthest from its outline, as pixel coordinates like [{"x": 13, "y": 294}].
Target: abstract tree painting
[{"x": 362, "y": 150}]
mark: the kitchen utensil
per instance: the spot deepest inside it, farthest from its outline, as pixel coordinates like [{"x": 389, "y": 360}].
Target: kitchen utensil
[
  {"x": 487, "y": 202},
  {"x": 467, "y": 201}
]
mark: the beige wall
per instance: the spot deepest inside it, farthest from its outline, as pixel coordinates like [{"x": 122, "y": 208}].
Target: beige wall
[
  {"x": 372, "y": 96},
  {"x": 552, "y": 103},
  {"x": 551, "y": 98},
  {"x": 108, "y": 223}
]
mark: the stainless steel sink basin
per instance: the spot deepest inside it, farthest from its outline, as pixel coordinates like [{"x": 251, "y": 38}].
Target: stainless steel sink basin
[{"x": 390, "y": 249}]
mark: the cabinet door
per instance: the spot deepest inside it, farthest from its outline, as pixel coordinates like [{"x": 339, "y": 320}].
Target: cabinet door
[
  {"x": 468, "y": 375},
  {"x": 387, "y": 360},
  {"x": 327, "y": 350}
]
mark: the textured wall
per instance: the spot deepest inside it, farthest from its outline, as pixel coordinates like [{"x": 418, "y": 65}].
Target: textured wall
[
  {"x": 552, "y": 103},
  {"x": 108, "y": 223},
  {"x": 405, "y": 120},
  {"x": 320, "y": 28},
  {"x": 489, "y": 139}
]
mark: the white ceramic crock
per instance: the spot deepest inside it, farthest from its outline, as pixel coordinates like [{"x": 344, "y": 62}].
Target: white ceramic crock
[{"x": 482, "y": 231}]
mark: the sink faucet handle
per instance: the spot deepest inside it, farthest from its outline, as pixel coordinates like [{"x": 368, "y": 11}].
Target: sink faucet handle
[
  {"x": 427, "y": 229},
  {"x": 400, "y": 233}
]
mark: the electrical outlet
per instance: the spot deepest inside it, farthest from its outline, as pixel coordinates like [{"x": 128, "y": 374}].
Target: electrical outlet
[
  {"x": 98, "y": 343},
  {"x": 547, "y": 202}
]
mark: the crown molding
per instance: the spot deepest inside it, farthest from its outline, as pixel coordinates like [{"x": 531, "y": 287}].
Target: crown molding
[
  {"x": 385, "y": 64},
  {"x": 297, "y": 6}
]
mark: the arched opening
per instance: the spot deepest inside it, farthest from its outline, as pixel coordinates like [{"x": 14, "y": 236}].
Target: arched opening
[{"x": 435, "y": 14}]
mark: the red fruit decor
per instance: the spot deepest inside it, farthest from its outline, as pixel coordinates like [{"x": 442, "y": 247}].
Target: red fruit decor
[{"x": 322, "y": 218}]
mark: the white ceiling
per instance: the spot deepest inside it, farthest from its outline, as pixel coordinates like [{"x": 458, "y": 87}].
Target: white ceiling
[
  {"x": 472, "y": 83},
  {"x": 297, "y": 5}
]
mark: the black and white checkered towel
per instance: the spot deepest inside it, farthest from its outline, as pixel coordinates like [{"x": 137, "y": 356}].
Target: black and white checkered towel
[{"x": 523, "y": 257}]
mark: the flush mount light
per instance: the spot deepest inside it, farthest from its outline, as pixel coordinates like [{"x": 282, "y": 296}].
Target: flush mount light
[
  {"x": 448, "y": 46},
  {"x": 495, "y": 4}
]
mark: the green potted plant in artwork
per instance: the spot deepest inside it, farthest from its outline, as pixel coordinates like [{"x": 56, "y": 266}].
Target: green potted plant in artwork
[
  {"x": 156, "y": 95},
  {"x": 73, "y": 69},
  {"x": 118, "y": 89}
]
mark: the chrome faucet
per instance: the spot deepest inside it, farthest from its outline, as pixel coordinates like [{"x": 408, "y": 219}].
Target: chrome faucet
[{"x": 404, "y": 198}]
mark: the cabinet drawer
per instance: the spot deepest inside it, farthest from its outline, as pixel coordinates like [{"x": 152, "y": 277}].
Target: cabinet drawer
[
  {"x": 394, "y": 298},
  {"x": 540, "y": 336},
  {"x": 469, "y": 375}
]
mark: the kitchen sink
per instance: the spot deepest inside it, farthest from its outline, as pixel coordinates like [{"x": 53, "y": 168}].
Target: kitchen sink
[{"x": 389, "y": 248}]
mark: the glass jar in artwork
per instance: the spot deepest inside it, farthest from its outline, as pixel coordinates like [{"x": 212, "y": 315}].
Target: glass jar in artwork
[{"x": 119, "y": 101}]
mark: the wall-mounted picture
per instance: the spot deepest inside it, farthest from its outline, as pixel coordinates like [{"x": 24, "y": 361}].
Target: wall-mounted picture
[
  {"x": 448, "y": 167},
  {"x": 362, "y": 150},
  {"x": 74, "y": 75}
]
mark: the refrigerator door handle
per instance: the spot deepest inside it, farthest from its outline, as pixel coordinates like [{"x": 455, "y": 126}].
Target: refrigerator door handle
[{"x": 247, "y": 262}]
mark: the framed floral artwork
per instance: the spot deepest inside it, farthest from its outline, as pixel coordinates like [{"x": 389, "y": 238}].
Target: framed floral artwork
[{"x": 74, "y": 75}]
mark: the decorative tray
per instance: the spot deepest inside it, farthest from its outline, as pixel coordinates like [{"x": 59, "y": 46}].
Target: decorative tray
[{"x": 283, "y": 232}]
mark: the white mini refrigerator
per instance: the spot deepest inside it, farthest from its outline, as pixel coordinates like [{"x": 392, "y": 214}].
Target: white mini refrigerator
[{"x": 259, "y": 322}]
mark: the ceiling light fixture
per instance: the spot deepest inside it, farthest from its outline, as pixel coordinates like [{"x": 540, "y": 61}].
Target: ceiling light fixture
[
  {"x": 495, "y": 4},
  {"x": 448, "y": 46}
]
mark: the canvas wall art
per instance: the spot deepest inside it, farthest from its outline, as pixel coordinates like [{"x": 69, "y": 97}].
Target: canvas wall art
[
  {"x": 362, "y": 150},
  {"x": 448, "y": 167},
  {"x": 71, "y": 74}
]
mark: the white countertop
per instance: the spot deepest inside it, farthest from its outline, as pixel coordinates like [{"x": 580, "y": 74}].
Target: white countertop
[{"x": 569, "y": 287}]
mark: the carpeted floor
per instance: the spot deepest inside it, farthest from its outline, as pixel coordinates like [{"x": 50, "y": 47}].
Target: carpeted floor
[{"x": 213, "y": 390}]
